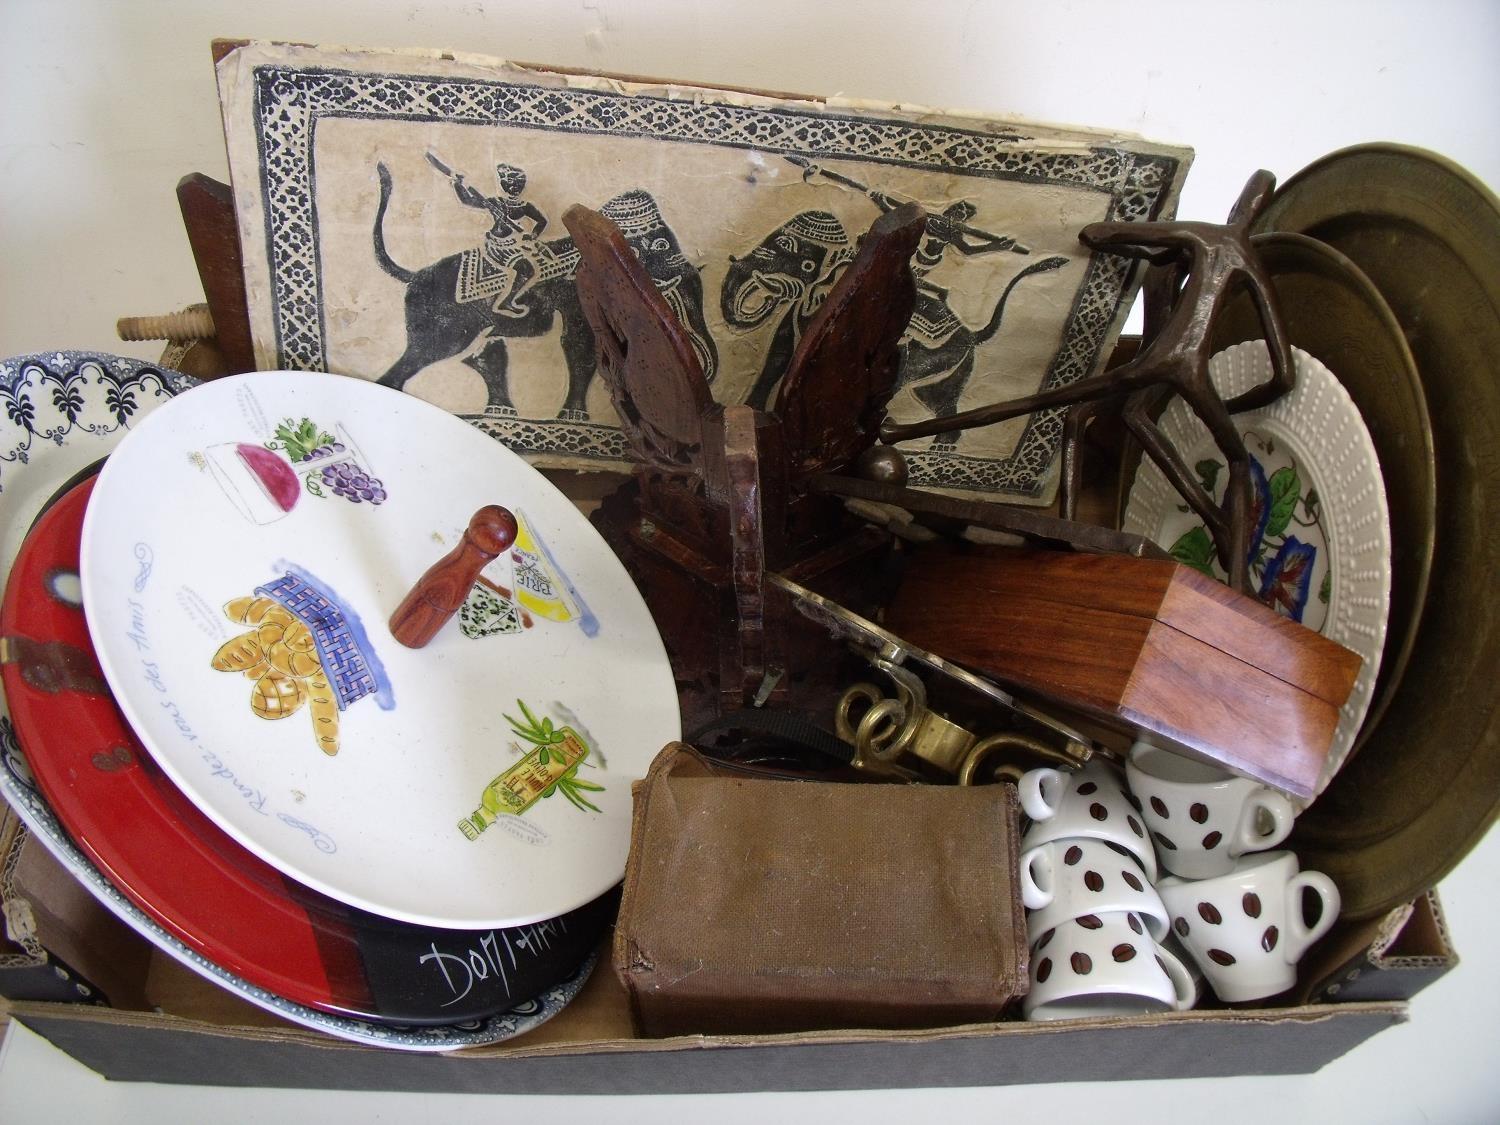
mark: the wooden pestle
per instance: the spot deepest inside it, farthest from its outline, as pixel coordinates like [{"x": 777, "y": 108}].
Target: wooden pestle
[{"x": 440, "y": 592}]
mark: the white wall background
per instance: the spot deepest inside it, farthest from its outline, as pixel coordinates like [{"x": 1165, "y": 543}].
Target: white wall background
[{"x": 104, "y": 106}]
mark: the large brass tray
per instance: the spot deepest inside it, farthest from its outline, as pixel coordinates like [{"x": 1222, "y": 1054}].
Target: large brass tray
[{"x": 1426, "y": 784}]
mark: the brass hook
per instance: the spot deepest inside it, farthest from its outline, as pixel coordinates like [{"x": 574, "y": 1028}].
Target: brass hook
[{"x": 1070, "y": 757}]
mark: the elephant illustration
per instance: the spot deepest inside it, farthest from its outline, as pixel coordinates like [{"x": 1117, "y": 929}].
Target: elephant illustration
[
  {"x": 795, "y": 266},
  {"x": 471, "y": 301},
  {"x": 791, "y": 270},
  {"x": 937, "y": 350}
]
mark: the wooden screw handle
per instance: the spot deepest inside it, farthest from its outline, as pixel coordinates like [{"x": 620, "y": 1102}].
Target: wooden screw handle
[
  {"x": 438, "y": 594},
  {"x": 193, "y": 323}
]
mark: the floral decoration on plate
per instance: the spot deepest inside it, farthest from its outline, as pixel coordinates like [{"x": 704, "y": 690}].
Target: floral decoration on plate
[{"x": 1320, "y": 545}]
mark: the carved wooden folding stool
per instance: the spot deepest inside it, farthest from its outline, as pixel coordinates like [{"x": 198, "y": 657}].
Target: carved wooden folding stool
[{"x": 720, "y": 496}]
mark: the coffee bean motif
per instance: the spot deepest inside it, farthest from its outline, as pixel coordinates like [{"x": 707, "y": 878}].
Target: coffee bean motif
[
  {"x": 1211, "y": 841},
  {"x": 1072, "y": 855},
  {"x": 1131, "y": 881},
  {"x": 1045, "y": 939},
  {"x": 1090, "y": 921},
  {"x": 1082, "y": 964},
  {"x": 1043, "y": 970},
  {"x": 1219, "y": 957},
  {"x": 1120, "y": 848},
  {"x": 1098, "y": 811},
  {"x": 1159, "y": 807},
  {"x": 1199, "y": 812},
  {"x": 1135, "y": 923},
  {"x": 1134, "y": 801},
  {"x": 1251, "y": 904},
  {"x": 1210, "y": 913},
  {"x": 1135, "y": 826},
  {"x": 1268, "y": 939},
  {"x": 1123, "y": 952},
  {"x": 1087, "y": 788},
  {"x": 1181, "y": 926},
  {"x": 1093, "y": 881},
  {"x": 1164, "y": 842}
]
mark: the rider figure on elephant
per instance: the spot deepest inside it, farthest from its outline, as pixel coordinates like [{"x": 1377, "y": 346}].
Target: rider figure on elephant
[
  {"x": 509, "y": 245},
  {"x": 951, "y": 228}
]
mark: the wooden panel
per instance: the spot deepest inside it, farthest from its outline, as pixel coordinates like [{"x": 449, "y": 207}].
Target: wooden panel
[{"x": 213, "y": 233}]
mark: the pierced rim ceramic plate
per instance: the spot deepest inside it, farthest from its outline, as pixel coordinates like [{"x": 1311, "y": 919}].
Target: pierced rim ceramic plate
[
  {"x": 64, "y": 411},
  {"x": 1332, "y": 312},
  {"x": 1425, "y": 786},
  {"x": 1320, "y": 546},
  {"x": 482, "y": 781},
  {"x": 200, "y": 885}
]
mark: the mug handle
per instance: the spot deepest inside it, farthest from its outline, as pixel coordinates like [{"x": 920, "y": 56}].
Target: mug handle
[
  {"x": 1037, "y": 893},
  {"x": 1184, "y": 988},
  {"x": 1042, "y": 792},
  {"x": 1299, "y": 935},
  {"x": 1274, "y": 805}
]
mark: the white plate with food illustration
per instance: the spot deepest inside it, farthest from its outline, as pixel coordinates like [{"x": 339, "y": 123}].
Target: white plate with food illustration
[
  {"x": 1320, "y": 542},
  {"x": 243, "y": 553},
  {"x": 65, "y": 411}
]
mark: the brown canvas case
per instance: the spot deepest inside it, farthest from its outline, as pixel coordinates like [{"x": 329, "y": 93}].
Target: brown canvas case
[{"x": 759, "y": 906}]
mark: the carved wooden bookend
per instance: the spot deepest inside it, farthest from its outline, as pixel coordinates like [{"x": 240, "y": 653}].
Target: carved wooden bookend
[
  {"x": 1197, "y": 265},
  {"x": 441, "y": 591},
  {"x": 844, "y": 370},
  {"x": 721, "y": 496},
  {"x": 645, "y": 358},
  {"x": 1149, "y": 646}
]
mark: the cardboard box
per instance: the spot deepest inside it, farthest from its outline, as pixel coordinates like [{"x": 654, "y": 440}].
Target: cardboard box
[
  {"x": 576, "y": 1054},
  {"x": 170, "y": 1025},
  {"x": 203, "y": 1034},
  {"x": 175, "y": 1027}
]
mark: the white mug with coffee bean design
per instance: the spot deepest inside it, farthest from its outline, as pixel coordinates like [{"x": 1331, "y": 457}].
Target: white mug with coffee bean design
[
  {"x": 1106, "y": 966},
  {"x": 1248, "y": 929},
  {"x": 1066, "y": 879},
  {"x": 1201, "y": 818},
  {"x": 1089, "y": 804}
]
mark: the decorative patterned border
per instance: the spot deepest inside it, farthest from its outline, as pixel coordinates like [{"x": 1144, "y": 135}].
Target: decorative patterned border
[
  {"x": 48, "y": 397},
  {"x": 290, "y": 100}
]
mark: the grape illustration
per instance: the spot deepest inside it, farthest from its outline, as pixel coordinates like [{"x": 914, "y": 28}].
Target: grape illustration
[
  {"x": 324, "y": 451},
  {"x": 306, "y": 442},
  {"x": 353, "y": 483}
]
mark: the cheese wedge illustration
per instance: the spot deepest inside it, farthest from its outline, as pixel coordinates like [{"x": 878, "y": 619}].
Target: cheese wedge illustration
[{"x": 538, "y": 586}]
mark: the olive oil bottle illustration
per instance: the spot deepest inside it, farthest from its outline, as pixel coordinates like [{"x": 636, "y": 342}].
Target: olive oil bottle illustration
[{"x": 550, "y": 766}]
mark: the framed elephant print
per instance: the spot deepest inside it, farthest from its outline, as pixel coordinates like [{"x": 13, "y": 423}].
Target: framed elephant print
[{"x": 400, "y": 215}]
